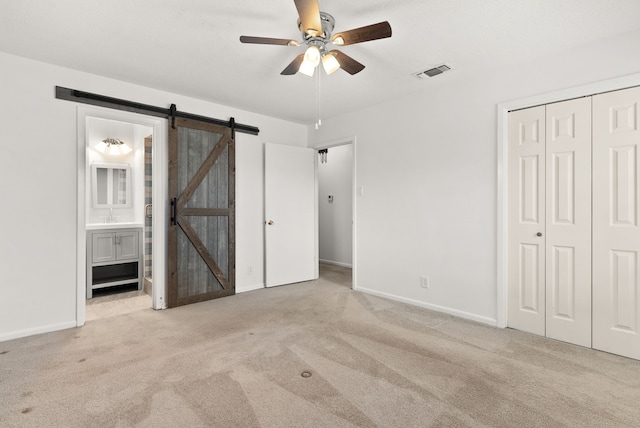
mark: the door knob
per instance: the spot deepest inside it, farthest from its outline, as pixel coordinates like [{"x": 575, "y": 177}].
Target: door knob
[
  {"x": 539, "y": 234},
  {"x": 270, "y": 222}
]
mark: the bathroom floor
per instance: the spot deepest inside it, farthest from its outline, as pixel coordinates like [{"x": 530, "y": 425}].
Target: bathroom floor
[{"x": 117, "y": 304}]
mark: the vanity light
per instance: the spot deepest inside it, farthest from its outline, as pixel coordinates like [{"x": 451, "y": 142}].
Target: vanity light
[{"x": 113, "y": 146}]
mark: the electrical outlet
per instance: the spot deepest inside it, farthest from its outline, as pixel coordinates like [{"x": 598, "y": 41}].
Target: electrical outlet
[{"x": 424, "y": 281}]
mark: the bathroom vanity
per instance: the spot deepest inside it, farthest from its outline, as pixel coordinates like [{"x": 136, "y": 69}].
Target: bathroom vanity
[{"x": 114, "y": 256}]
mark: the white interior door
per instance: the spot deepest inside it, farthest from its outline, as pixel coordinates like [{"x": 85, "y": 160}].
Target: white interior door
[
  {"x": 526, "y": 265},
  {"x": 568, "y": 221},
  {"x": 291, "y": 250},
  {"x": 616, "y": 232}
]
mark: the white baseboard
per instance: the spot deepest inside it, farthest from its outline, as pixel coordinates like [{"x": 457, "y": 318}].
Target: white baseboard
[
  {"x": 331, "y": 262},
  {"x": 455, "y": 312},
  {"x": 37, "y": 330},
  {"x": 250, "y": 287}
]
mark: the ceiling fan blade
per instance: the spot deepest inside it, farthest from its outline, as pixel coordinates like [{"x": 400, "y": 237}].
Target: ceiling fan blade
[
  {"x": 381, "y": 30},
  {"x": 347, "y": 63},
  {"x": 309, "y": 12},
  {"x": 268, "y": 41},
  {"x": 294, "y": 66}
]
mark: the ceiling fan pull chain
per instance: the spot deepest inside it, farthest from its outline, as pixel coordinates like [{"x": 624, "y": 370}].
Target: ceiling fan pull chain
[{"x": 319, "y": 121}]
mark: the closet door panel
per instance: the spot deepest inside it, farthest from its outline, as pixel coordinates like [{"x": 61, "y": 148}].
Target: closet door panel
[
  {"x": 568, "y": 221},
  {"x": 616, "y": 235},
  {"x": 526, "y": 265}
]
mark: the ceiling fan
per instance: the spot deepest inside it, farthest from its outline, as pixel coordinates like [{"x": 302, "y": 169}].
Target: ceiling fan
[{"x": 316, "y": 28}]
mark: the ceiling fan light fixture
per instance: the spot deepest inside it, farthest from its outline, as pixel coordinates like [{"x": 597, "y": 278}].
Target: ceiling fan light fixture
[
  {"x": 330, "y": 63},
  {"x": 312, "y": 56},
  {"x": 307, "y": 68}
]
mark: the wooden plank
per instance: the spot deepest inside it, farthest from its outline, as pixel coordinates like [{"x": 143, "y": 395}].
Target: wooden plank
[
  {"x": 202, "y": 172},
  {"x": 231, "y": 222},
  {"x": 202, "y": 250},
  {"x": 204, "y": 297},
  {"x": 172, "y": 235},
  {"x": 204, "y": 212}
]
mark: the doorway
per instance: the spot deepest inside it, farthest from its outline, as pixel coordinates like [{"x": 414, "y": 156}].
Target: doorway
[
  {"x": 111, "y": 249},
  {"x": 336, "y": 205}
]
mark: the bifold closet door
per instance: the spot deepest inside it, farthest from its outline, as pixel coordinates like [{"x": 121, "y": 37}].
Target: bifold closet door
[
  {"x": 549, "y": 290},
  {"x": 616, "y": 232},
  {"x": 568, "y": 221},
  {"x": 526, "y": 265}
]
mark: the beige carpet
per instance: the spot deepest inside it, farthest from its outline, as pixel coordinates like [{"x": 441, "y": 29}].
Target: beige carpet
[
  {"x": 238, "y": 362},
  {"x": 117, "y": 304}
]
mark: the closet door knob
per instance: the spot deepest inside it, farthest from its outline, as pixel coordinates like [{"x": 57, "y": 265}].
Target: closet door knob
[{"x": 539, "y": 234}]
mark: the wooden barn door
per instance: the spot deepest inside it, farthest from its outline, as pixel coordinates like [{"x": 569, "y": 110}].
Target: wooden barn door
[{"x": 201, "y": 211}]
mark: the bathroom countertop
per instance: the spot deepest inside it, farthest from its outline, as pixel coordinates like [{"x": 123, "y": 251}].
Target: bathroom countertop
[{"x": 123, "y": 225}]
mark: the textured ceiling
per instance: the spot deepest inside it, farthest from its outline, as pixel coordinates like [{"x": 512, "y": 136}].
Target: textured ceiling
[{"x": 191, "y": 47}]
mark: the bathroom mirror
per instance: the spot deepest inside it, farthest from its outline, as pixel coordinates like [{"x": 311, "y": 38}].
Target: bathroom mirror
[{"x": 111, "y": 185}]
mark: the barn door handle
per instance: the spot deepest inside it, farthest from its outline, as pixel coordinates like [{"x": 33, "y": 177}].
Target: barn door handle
[{"x": 174, "y": 211}]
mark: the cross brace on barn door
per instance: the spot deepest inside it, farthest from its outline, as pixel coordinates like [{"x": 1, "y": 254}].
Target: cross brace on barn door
[{"x": 131, "y": 106}]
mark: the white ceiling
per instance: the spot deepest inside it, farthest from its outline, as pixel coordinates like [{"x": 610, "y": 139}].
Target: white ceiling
[{"x": 191, "y": 47}]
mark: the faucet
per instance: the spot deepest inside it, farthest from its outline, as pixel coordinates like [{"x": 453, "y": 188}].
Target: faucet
[{"x": 110, "y": 218}]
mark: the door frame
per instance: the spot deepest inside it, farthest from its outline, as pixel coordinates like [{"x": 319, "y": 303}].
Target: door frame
[
  {"x": 159, "y": 192},
  {"x": 335, "y": 143},
  {"x": 503, "y": 110}
]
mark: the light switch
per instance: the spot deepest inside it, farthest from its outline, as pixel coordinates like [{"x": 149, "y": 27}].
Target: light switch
[{"x": 330, "y": 198}]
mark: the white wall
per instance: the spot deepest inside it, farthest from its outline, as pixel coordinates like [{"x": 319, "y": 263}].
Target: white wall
[
  {"x": 427, "y": 164},
  {"x": 249, "y": 213},
  {"x": 335, "y": 218},
  {"x": 38, "y": 186}
]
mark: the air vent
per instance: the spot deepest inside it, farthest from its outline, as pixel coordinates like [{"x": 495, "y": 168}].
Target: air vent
[{"x": 432, "y": 71}]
